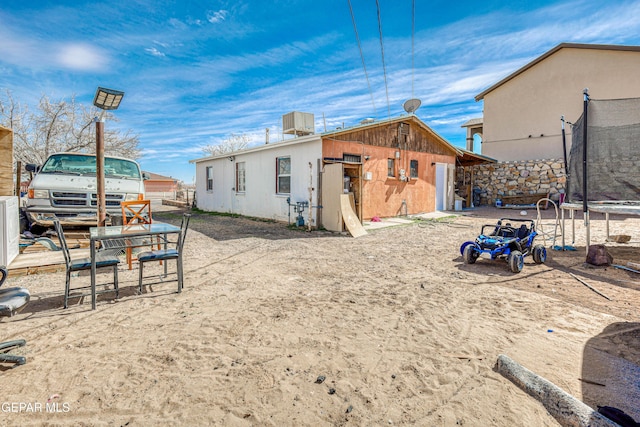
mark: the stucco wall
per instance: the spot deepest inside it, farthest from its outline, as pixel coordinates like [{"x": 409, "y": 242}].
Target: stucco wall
[
  {"x": 160, "y": 186},
  {"x": 522, "y": 116},
  {"x": 516, "y": 178},
  {"x": 260, "y": 198}
]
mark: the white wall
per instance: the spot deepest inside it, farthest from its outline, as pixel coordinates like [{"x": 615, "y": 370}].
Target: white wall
[{"x": 260, "y": 198}]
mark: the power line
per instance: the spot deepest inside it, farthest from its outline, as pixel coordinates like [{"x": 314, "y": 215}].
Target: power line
[
  {"x": 384, "y": 68},
  {"x": 355, "y": 29},
  {"x": 413, "y": 32}
]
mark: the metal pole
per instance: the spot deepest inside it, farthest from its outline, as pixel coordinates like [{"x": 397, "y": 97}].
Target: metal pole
[
  {"x": 585, "y": 207},
  {"x": 585, "y": 112},
  {"x": 564, "y": 148},
  {"x": 102, "y": 210}
]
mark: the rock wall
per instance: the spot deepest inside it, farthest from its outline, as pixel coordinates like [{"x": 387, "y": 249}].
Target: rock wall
[{"x": 514, "y": 178}]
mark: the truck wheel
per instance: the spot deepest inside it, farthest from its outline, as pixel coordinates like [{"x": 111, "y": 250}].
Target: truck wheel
[
  {"x": 516, "y": 261},
  {"x": 539, "y": 254},
  {"x": 470, "y": 255}
]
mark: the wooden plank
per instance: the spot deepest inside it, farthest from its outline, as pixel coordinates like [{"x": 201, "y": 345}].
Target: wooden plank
[
  {"x": 6, "y": 166},
  {"x": 45, "y": 258},
  {"x": 27, "y": 271},
  {"x": 351, "y": 220}
]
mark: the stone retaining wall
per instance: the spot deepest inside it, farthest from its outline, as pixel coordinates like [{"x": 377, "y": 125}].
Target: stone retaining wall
[{"x": 514, "y": 178}]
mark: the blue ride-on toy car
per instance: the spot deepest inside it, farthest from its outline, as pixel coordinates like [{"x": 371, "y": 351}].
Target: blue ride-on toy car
[{"x": 509, "y": 238}]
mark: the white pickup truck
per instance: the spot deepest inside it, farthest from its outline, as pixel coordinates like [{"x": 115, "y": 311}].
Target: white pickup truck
[{"x": 65, "y": 186}]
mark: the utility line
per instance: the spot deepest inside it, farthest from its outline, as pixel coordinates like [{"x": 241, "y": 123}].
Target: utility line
[
  {"x": 355, "y": 29},
  {"x": 413, "y": 32},
  {"x": 384, "y": 68}
]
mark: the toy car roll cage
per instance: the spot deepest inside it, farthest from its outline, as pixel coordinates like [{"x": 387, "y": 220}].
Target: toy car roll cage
[{"x": 511, "y": 238}]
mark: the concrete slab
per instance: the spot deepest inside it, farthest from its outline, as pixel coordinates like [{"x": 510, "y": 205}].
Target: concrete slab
[{"x": 393, "y": 221}]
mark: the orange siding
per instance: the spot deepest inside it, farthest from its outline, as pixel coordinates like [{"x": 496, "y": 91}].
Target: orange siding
[{"x": 382, "y": 195}]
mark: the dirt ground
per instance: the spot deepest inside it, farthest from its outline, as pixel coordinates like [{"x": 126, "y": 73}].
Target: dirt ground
[{"x": 277, "y": 326}]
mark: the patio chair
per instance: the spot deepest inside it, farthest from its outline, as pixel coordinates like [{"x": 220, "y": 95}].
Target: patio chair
[
  {"x": 135, "y": 212},
  {"x": 102, "y": 260},
  {"x": 167, "y": 254},
  {"x": 12, "y": 300}
]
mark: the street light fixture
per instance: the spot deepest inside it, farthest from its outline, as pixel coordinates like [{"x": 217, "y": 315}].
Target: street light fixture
[{"x": 105, "y": 99}]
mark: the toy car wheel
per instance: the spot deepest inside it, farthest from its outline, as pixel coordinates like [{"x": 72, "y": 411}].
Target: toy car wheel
[
  {"x": 539, "y": 254},
  {"x": 516, "y": 261},
  {"x": 470, "y": 255},
  {"x": 464, "y": 245}
]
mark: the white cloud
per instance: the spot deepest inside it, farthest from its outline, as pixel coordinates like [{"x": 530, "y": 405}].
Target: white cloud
[
  {"x": 81, "y": 57},
  {"x": 155, "y": 52},
  {"x": 161, "y": 44},
  {"x": 178, "y": 24},
  {"x": 216, "y": 17}
]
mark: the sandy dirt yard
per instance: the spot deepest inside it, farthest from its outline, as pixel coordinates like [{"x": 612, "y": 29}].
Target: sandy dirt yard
[{"x": 280, "y": 327}]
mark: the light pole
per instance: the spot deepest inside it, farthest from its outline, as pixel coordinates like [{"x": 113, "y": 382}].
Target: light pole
[{"x": 105, "y": 99}]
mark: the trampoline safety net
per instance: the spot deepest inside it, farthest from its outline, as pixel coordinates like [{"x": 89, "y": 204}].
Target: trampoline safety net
[{"x": 613, "y": 152}]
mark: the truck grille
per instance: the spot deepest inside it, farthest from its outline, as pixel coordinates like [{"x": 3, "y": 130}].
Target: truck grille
[
  {"x": 65, "y": 198},
  {"x": 109, "y": 199}
]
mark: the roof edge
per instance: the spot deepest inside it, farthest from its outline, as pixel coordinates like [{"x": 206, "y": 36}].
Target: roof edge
[
  {"x": 547, "y": 54},
  {"x": 297, "y": 140}
]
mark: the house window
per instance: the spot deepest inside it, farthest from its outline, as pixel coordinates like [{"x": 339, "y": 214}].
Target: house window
[
  {"x": 240, "y": 180},
  {"x": 413, "y": 169},
  {"x": 209, "y": 178},
  {"x": 391, "y": 167},
  {"x": 283, "y": 175}
]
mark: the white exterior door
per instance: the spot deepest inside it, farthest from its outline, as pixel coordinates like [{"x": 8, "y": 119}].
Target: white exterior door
[{"x": 441, "y": 186}]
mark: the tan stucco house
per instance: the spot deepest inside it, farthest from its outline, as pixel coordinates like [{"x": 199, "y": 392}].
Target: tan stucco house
[{"x": 521, "y": 118}]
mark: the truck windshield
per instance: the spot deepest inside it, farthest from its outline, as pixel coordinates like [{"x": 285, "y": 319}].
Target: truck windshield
[{"x": 86, "y": 165}]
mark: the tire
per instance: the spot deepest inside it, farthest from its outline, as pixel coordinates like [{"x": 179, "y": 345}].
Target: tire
[
  {"x": 464, "y": 245},
  {"x": 539, "y": 254},
  {"x": 469, "y": 255},
  {"x": 516, "y": 261}
]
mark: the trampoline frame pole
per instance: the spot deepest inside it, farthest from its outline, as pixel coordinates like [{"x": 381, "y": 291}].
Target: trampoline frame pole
[
  {"x": 564, "y": 148},
  {"x": 585, "y": 206}
]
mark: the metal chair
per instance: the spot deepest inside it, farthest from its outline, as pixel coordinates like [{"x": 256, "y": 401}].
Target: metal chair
[
  {"x": 12, "y": 300},
  {"x": 135, "y": 212},
  {"x": 167, "y": 254},
  {"x": 102, "y": 260}
]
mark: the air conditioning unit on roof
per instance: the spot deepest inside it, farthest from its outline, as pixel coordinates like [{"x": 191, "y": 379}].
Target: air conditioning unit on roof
[{"x": 297, "y": 123}]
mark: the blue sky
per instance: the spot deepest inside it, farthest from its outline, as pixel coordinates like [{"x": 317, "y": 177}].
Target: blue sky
[{"x": 194, "y": 72}]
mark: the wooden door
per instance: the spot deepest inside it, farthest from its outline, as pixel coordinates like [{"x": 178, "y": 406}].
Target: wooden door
[{"x": 332, "y": 188}]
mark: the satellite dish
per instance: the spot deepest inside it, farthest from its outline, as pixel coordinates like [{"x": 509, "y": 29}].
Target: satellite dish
[{"x": 411, "y": 105}]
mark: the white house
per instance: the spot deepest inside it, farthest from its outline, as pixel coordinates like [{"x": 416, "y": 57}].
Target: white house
[
  {"x": 258, "y": 181},
  {"x": 397, "y": 166}
]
